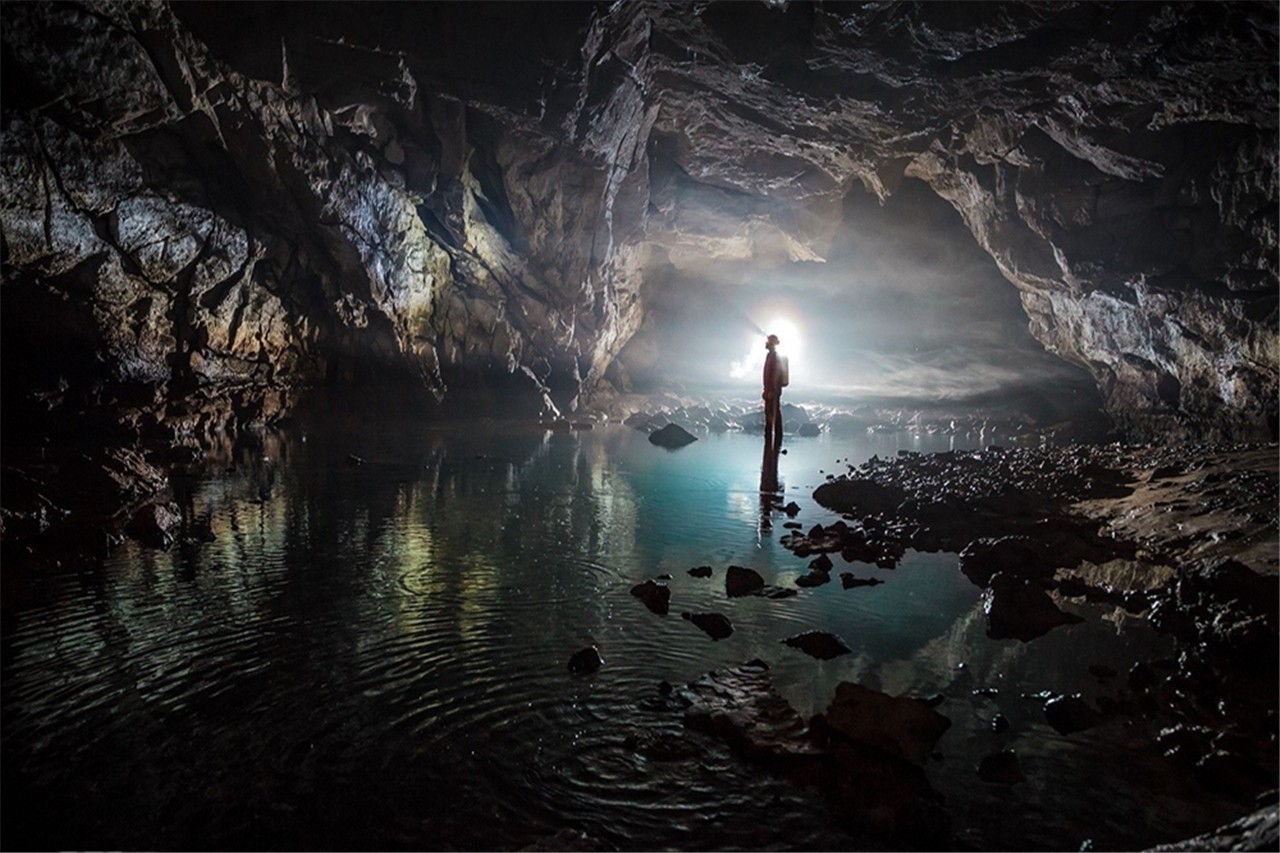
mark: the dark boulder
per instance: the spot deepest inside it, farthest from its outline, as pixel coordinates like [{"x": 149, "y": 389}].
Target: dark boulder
[
  {"x": 848, "y": 580},
  {"x": 1070, "y": 714},
  {"x": 672, "y": 437},
  {"x": 821, "y": 562},
  {"x": 1019, "y": 556},
  {"x": 1019, "y": 609},
  {"x": 813, "y": 578},
  {"x": 818, "y": 644},
  {"x": 656, "y": 596},
  {"x": 700, "y": 572},
  {"x": 860, "y": 497},
  {"x": 740, "y": 581},
  {"x": 714, "y": 625},
  {"x": 585, "y": 660},
  {"x": 155, "y": 524}
]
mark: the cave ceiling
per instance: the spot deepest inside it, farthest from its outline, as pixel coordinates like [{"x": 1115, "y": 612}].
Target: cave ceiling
[{"x": 208, "y": 204}]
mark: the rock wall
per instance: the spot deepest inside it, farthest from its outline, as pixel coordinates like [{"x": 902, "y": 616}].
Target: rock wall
[{"x": 208, "y": 206}]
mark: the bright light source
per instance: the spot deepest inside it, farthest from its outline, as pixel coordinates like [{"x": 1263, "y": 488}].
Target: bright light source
[
  {"x": 790, "y": 344},
  {"x": 788, "y": 335}
]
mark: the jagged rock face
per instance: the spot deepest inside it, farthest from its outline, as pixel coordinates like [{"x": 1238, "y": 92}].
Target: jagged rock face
[{"x": 207, "y": 206}]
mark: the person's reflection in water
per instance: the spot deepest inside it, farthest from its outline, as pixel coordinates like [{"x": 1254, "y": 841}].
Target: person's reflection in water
[{"x": 770, "y": 488}]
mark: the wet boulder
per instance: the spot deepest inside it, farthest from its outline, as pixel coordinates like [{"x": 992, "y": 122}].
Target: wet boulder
[
  {"x": 1019, "y": 556},
  {"x": 672, "y": 437},
  {"x": 742, "y": 706},
  {"x": 818, "y": 644},
  {"x": 858, "y": 496},
  {"x": 585, "y": 660},
  {"x": 700, "y": 572},
  {"x": 740, "y": 581},
  {"x": 902, "y": 727},
  {"x": 1019, "y": 609},
  {"x": 813, "y": 578},
  {"x": 656, "y": 596},
  {"x": 821, "y": 562},
  {"x": 1070, "y": 714},
  {"x": 155, "y": 524},
  {"x": 714, "y": 625}
]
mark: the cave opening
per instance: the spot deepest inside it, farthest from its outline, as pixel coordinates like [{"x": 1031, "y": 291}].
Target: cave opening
[{"x": 905, "y": 309}]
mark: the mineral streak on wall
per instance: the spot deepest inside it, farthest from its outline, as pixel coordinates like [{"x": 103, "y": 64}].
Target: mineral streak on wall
[{"x": 207, "y": 206}]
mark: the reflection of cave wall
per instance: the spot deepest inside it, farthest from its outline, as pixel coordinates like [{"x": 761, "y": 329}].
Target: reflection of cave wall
[{"x": 233, "y": 204}]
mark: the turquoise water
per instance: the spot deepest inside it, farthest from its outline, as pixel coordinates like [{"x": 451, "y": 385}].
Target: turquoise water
[{"x": 374, "y": 656}]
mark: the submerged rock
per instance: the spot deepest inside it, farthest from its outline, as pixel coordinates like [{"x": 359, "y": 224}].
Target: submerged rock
[
  {"x": 672, "y": 437},
  {"x": 656, "y": 596},
  {"x": 715, "y": 626},
  {"x": 700, "y": 572},
  {"x": 818, "y": 644},
  {"x": 849, "y": 581},
  {"x": 813, "y": 578},
  {"x": 742, "y": 705},
  {"x": 903, "y": 727},
  {"x": 585, "y": 660}
]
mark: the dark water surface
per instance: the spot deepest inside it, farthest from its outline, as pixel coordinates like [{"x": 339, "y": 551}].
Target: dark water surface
[{"x": 373, "y": 656}]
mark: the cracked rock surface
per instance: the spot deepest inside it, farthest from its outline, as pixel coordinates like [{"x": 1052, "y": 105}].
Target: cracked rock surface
[{"x": 205, "y": 211}]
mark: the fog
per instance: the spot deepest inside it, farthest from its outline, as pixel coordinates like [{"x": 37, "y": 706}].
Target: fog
[{"x": 907, "y": 307}]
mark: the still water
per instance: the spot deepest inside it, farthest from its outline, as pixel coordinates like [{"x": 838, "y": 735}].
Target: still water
[{"x": 374, "y": 656}]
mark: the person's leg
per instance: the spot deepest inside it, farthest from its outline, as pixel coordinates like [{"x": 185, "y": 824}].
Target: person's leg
[{"x": 770, "y": 409}]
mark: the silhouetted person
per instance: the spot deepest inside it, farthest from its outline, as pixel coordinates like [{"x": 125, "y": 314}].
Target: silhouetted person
[{"x": 773, "y": 382}]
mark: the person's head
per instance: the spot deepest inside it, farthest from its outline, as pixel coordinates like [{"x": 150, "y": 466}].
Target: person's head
[{"x": 771, "y": 342}]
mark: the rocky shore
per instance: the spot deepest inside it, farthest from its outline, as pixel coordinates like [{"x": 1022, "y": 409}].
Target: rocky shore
[{"x": 1181, "y": 536}]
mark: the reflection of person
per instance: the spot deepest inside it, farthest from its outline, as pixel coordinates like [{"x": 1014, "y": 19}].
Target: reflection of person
[
  {"x": 772, "y": 393},
  {"x": 769, "y": 487}
]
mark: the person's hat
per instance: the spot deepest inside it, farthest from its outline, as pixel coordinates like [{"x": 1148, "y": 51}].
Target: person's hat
[{"x": 773, "y": 339}]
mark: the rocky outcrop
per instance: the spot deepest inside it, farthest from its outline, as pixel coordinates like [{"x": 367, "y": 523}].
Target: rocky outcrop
[{"x": 203, "y": 212}]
